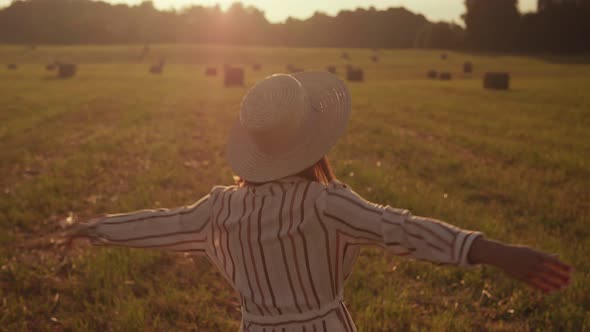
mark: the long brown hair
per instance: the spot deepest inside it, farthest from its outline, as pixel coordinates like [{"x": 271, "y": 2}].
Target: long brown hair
[{"x": 321, "y": 172}]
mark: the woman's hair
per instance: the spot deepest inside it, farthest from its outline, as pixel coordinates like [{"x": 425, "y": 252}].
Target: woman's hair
[{"x": 321, "y": 172}]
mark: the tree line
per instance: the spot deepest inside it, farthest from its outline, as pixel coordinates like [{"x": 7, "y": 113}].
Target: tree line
[
  {"x": 490, "y": 25},
  {"x": 96, "y": 22}
]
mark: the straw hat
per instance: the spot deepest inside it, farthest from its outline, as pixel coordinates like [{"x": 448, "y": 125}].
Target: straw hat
[{"x": 286, "y": 124}]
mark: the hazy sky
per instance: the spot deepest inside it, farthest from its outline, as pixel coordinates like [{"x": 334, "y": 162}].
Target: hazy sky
[{"x": 279, "y": 10}]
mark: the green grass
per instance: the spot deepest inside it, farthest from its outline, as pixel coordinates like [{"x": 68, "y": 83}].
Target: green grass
[{"x": 514, "y": 164}]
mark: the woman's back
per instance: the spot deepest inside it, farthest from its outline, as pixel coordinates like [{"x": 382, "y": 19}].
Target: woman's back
[{"x": 269, "y": 242}]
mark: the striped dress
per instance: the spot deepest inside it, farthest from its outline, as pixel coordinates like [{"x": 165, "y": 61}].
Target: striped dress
[{"x": 287, "y": 247}]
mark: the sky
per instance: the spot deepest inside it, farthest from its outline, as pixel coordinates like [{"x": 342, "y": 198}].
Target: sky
[{"x": 279, "y": 10}]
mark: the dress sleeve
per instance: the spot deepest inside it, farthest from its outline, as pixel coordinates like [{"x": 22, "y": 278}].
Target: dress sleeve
[
  {"x": 184, "y": 229},
  {"x": 361, "y": 222}
]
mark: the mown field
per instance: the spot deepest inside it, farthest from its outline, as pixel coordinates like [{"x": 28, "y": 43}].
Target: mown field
[{"x": 514, "y": 164}]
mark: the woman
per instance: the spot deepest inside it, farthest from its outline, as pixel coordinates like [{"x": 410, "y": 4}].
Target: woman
[{"x": 287, "y": 235}]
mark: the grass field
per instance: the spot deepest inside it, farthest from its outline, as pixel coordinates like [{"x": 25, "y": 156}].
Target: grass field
[{"x": 514, "y": 164}]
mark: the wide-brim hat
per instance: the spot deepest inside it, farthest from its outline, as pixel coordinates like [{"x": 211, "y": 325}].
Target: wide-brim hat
[{"x": 286, "y": 124}]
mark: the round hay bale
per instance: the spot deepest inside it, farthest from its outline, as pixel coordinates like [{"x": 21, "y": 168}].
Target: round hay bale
[
  {"x": 467, "y": 67},
  {"x": 375, "y": 58},
  {"x": 233, "y": 76},
  {"x": 331, "y": 69},
  {"x": 66, "y": 70},
  {"x": 12, "y": 66},
  {"x": 211, "y": 71},
  {"x": 355, "y": 75},
  {"x": 444, "y": 56},
  {"x": 445, "y": 76},
  {"x": 496, "y": 81},
  {"x": 158, "y": 68},
  {"x": 432, "y": 74}
]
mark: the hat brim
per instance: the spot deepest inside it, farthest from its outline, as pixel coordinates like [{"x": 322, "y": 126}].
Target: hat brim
[{"x": 324, "y": 124}]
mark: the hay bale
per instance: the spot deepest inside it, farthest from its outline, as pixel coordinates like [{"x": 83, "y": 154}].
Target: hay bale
[
  {"x": 210, "y": 71},
  {"x": 66, "y": 70},
  {"x": 345, "y": 56},
  {"x": 467, "y": 67},
  {"x": 375, "y": 58},
  {"x": 158, "y": 68},
  {"x": 233, "y": 76},
  {"x": 444, "y": 56},
  {"x": 355, "y": 74},
  {"x": 496, "y": 81},
  {"x": 11, "y": 66},
  {"x": 256, "y": 67},
  {"x": 293, "y": 69},
  {"x": 432, "y": 74},
  {"x": 331, "y": 69},
  {"x": 445, "y": 76}
]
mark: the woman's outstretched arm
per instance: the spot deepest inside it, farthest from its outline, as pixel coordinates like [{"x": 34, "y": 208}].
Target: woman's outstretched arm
[
  {"x": 182, "y": 229},
  {"x": 360, "y": 222}
]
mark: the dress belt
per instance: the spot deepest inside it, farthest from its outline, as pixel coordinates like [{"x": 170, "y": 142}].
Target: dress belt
[{"x": 293, "y": 318}]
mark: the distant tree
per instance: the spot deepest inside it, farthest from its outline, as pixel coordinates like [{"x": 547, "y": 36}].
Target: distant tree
[
  {"x": 491, "y": 25},
  {"x": 440, "y": 35},
  {"x": 562, "y": 27}
]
